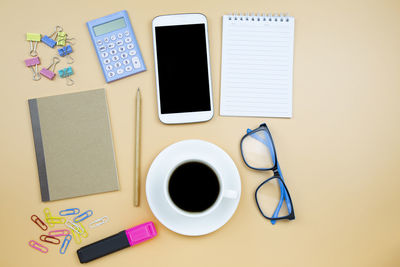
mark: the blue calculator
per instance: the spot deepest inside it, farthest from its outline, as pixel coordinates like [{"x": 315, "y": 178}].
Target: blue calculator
[{"x": 116, "y": 46}]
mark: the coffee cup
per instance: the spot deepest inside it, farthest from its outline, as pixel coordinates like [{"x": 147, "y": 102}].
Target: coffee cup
[{"x": 195, "y": 188}]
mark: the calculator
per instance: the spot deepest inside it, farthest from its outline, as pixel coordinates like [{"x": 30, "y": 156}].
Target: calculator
[{"x": 116, "y": 46}]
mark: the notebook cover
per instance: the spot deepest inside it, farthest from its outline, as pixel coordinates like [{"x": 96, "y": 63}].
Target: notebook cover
[{"x": 73, "y": 144}]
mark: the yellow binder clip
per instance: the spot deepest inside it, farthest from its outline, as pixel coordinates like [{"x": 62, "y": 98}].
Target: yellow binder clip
[
  {"x": 61, "y": 38},
  {"x": 33, "y": 38}
]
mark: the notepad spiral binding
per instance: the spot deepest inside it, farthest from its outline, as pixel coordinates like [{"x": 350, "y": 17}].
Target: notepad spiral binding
[{"x": 259, "y": 17}]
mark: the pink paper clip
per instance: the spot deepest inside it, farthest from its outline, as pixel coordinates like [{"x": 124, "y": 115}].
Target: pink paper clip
[
  {"x": 38, "y": 246},
  {"x": 62, "y": 232}
]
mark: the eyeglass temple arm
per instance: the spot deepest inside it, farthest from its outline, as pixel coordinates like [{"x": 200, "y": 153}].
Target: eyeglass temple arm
[{"x": 284, "y": 195}]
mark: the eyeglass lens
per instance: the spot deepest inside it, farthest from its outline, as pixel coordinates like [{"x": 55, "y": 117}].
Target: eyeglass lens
[
  {"x": 268, "y": 197},
  {"x": 258, "y": 150}
]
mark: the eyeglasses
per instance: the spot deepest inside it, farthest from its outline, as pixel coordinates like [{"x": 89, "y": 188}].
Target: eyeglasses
[{"x": 258, "y": 152}]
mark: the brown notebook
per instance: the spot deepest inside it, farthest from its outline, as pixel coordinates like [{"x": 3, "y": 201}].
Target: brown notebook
[{"x": 73, "y": 143}]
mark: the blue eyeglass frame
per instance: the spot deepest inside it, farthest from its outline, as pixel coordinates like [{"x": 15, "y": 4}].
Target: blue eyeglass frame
[{"x": 277, "y": 175}]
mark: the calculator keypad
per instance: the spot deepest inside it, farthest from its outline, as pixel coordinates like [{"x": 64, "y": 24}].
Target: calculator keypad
[{"x": 118, "y": 54}]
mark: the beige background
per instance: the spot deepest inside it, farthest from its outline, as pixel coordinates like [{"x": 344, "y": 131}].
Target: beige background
[{"x": 339, "y": 153}]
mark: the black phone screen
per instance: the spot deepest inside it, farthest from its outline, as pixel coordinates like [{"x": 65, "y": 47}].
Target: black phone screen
[{"x": 182, "y": 68}]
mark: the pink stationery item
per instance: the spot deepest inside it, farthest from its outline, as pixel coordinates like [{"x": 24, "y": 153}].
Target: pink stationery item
[
  {"x": 32, "y": 61},
  {"x": 46, "y": 72},
  {"x": 62, "y": 232},
  {"x": 123, "y": 239},
  {"x": 38, "y": 246}
]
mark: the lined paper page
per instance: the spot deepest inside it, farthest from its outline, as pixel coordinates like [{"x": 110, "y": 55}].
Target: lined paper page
[{"x": 257, "y": 66}]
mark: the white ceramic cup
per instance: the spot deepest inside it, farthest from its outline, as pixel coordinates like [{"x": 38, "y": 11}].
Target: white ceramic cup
[{"x": 223, "y": 192}]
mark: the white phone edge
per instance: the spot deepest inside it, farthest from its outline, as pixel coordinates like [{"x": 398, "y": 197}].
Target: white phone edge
[{"x": 185, "y": 117}]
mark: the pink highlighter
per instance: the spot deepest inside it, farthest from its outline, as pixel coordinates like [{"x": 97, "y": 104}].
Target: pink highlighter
[{"x": 123, "y": 239}]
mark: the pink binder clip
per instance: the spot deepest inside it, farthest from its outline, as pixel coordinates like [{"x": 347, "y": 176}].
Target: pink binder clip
[
  {"x": 46, "y": 72},
  {"x": 34, "y": 61}
]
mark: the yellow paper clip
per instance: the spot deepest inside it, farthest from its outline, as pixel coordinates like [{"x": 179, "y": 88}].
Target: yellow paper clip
[
  {"x": 55, "y": 220},
  {"x": 85, "y": 233},
  {"x": 77, "y": 237},
  {"x": 47, "y": 214}
]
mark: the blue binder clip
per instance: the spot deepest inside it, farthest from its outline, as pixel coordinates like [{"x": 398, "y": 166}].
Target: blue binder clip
[
  {"x": 47, "y": 39},
  {"x": 65, "y": 51},
  {"x": 65, "y": 73}
]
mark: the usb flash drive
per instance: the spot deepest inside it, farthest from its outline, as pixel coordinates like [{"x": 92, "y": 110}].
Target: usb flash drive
[{"x": 123, "y": 239}]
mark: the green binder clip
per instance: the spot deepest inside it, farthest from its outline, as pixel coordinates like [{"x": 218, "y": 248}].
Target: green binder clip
[
  {"x": 61, "y": 38},
  {"x": 33, "y": 38}
]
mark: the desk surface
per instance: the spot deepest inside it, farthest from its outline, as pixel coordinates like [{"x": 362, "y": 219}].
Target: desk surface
[{"x": 339, "y": 153}]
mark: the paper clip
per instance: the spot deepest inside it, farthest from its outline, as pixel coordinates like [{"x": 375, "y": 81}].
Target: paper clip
[
  {"x": 67, "y": 212},
  {"x": 61, "y": 38},
  {"x": 65, "y": 73},
  {"x": 63, "y": 232},
  {"x": 30, "y": 62},
  {"x": 55, "y": 220},
  {"x": 98, "y": 222},
  {"x": 47, "y": 214},
  {"x": 48, "y": 39},
  {"x": 83, "y": 216},
  {"x": 77, "y": 237},
  {"x": 66, "y": 51},
  {"x": 65, "y": 244},
  {"x": 84, "y": 234},
  {"x": 39, "y": 222},
  {"x": 74, "y": 227},
  {"x": 46, "y": 72},
  {"x": 38, "y": 246},
  {"x": 49, "y": 239},
  {"x": 33, "y": 38}
]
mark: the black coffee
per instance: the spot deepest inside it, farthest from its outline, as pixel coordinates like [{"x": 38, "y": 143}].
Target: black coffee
[{"x": 193, "y": 187}]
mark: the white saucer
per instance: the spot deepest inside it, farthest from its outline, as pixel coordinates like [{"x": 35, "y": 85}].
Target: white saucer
[{"x": 167, "y": 215}]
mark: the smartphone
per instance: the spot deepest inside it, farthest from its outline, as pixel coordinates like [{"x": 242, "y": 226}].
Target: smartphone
[{"x": 182, "y": 68}]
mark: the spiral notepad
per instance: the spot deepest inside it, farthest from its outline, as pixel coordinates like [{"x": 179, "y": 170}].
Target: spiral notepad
[{"x": 257, "y": 65}]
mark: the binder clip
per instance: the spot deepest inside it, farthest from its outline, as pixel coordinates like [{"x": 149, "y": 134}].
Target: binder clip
[
  {"x": 65, "y": 73},
  {"x": 30, "y": 62},
  {"x": 48, "y": 39},
  {"x": 33, "y": 38},
  {"x": 66, "y": 51},
  {"x": 46, "y": 72},
  {"x": 61, "y": 38}
]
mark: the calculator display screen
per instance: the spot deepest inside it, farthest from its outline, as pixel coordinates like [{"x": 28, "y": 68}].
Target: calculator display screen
[
  {"x": 183, "y": 68},
  {"x": 109, "y": 26}
]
